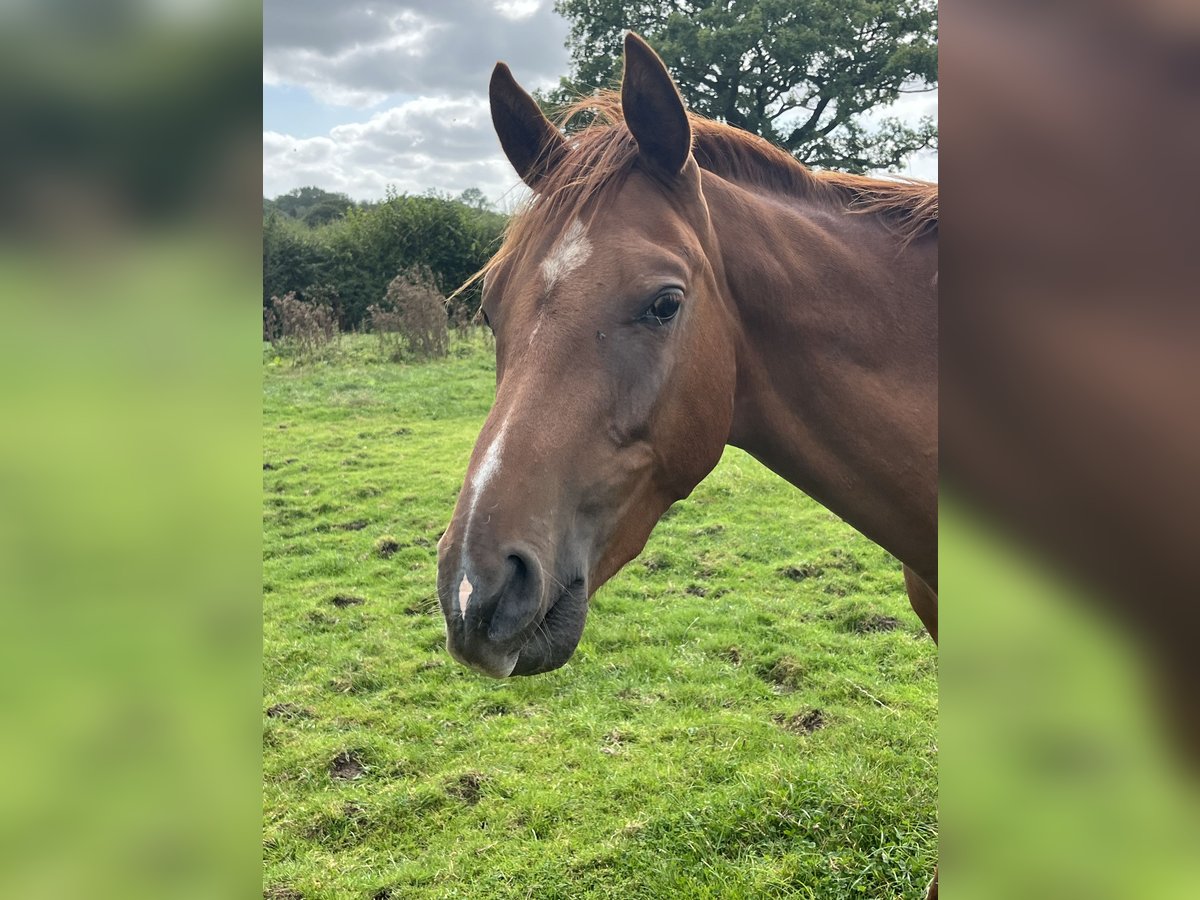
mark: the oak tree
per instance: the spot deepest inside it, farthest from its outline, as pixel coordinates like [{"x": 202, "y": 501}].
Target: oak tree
[{"x": 801, "y": 74}]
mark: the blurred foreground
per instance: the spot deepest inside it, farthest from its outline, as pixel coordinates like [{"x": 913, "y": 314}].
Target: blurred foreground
[
  {"x": 129, "y": 568},
  {"x": 1070, "y": 444}
]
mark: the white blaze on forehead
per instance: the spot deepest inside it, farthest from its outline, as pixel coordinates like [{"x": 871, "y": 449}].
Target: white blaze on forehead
[
  {"x": 464, "y": 594},
  {"x": 571, "y": 251}
]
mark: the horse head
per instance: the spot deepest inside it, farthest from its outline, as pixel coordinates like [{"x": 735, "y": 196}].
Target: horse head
[{"x": 615, "y": 372}]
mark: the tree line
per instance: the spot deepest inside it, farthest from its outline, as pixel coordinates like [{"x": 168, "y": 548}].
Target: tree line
[{"x": 325, "y": 248}]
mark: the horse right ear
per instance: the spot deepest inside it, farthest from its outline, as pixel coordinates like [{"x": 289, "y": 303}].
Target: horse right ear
[
  {"x": 653, "y": 109},
  {"x": 530, "y": 140}
]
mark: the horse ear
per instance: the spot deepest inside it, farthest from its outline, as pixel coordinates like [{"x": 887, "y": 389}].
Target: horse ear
[
  {"x": 529, "y": 139},
  {"x": 653, "y": 109}
]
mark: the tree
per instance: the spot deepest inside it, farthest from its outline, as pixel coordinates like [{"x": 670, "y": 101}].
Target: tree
[
  {"x": 327, "y": 211},
  {"x": 801, "y": 74},
  {"x": 311, "y": 205},
  {"x": 474, "y": 198}
]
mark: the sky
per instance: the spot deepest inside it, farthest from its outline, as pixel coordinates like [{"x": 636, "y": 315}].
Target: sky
[{"x": 366, "y": 94}]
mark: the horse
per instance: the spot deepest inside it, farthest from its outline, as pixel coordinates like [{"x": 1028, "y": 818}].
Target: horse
[{"x": 672, "y": 286}]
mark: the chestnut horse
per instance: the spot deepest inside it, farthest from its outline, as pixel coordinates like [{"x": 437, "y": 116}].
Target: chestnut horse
[
  {"x": 672, "y": 286},
  {"x": 676, "y": 285}
]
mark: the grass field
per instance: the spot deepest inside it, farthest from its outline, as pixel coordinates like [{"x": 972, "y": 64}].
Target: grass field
[{"x": 751, "y": 712}]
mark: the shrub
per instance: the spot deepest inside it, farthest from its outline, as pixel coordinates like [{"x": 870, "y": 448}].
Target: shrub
[
  {"x": 326, "y": 294},
  {"x": 362, "y": 251},
  {"x": 303, "y": 328},
  {"x": 411, "y": 315}
]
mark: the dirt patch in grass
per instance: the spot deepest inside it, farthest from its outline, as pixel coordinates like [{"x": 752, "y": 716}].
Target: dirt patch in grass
[
  {"x": 356, "y": 814},
  {"x": 383, "y": 894},
  {"x": 386, "y": 547},
  {"x": 656, "y": 563},
  {"x": 873, "y": 623},
  {"x": 804, "y": 722},
  {"x": 321, "y": 619},
  {"x": 341, "y": 601},
  {"x": 289, "y": 711},
  {"x": 347, "y": 766},
  {"x": 697, "y": 590},
  {"x": 356, "y": 525},
  {"x": 787, "y": 673},
  {"x": 267, "y": 467},
  {"x": 615, "y": 742},
  {"x": 280, "y": 892},
  {"x": 467, "y": 787},
  {"x": 732, "y": 655},
  {"x": 835, "y": 560},
  {"x": 802, "y": 572}
]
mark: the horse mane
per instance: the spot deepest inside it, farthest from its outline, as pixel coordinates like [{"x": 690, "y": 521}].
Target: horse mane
[{"x": 600, "y": 152}]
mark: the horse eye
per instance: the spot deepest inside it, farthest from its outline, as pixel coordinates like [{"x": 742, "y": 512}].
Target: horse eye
[{"x": 664, "y": 307}]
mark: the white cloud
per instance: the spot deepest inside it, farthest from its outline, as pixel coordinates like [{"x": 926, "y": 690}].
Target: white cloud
[
  {"x": 360, "y": 53},
  {"x": 517, "y": 9},
  {"x": 429, "y": 142}
]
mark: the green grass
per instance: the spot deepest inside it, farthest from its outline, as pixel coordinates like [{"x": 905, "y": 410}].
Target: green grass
[{"x": 751, "y": 712}]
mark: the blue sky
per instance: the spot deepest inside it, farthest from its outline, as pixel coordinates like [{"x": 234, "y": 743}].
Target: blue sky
[
  {"x": 291, "y": 109},
  {"x": 364, "y": 95}
]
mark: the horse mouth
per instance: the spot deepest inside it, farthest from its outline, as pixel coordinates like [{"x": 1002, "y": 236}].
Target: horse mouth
[
  {"x": 555, "y": 636},
  {"x": 545, "y": 644}
]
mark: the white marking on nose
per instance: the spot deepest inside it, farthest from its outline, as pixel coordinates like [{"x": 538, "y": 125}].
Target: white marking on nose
[
  {"x": 488, "y": 467},
  {"x": 484, "y": 473},
  {"x": 571, "y": 251},
  {"x": 464, "y": 595}
]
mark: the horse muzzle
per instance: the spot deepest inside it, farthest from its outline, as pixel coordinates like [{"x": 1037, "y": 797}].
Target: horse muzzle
[{"x": 504, "y": 617}]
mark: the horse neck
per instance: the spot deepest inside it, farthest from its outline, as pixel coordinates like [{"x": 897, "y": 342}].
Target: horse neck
[{"x": 836, "y": 331}]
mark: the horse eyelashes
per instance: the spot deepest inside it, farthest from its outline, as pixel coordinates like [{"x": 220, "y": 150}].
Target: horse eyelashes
[{"x": 664, "y": 308}]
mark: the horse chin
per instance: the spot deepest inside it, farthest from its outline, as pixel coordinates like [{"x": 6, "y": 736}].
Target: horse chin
[{"x": 555, "y": 638}]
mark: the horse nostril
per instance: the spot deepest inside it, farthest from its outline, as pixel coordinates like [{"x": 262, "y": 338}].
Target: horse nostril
[
  {"x": 520, "y": 598},
  {"x": 519, "y": 574}
]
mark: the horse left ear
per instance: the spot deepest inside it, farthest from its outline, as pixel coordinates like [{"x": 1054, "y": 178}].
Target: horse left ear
[
  {"x": 653, "y": 109},
  {"x": 530, "y": 141}
]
